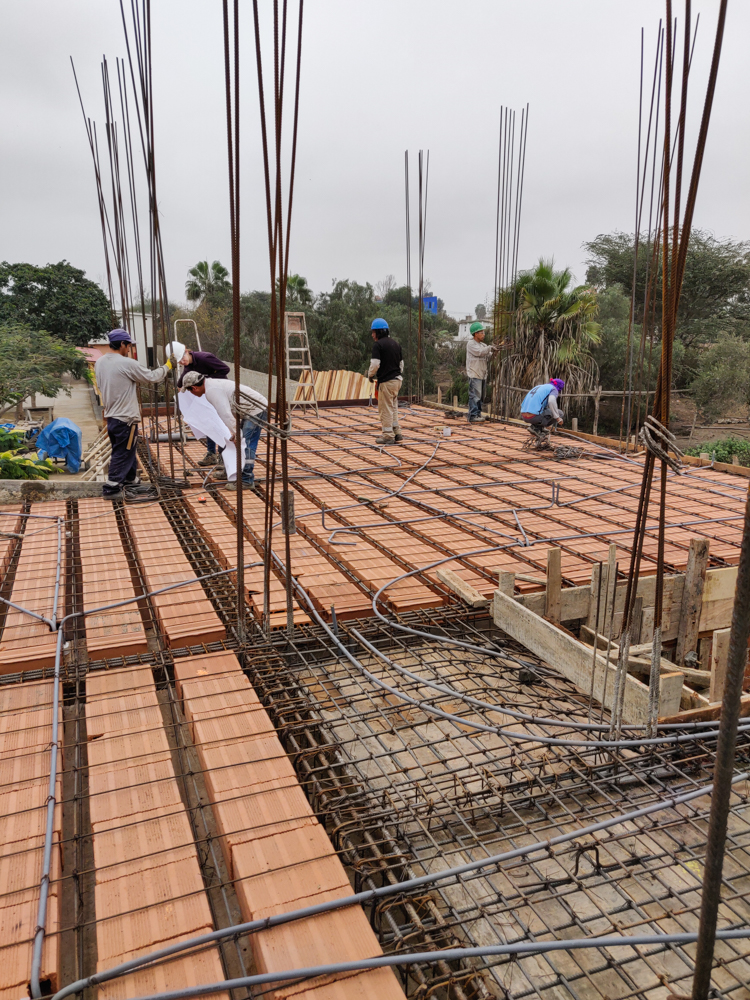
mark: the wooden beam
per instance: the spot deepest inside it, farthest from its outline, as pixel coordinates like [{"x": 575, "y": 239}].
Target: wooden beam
[
  {"x": 573, "y": 660},
  {"x": 553, "y": 603},
  {"x": 719, "y": 658},
  {"x": 692, "y": 599},
  {"x": 507, "y": 583},
  {"x": 460, "y": 587},
  {"x": 709, "y": 713}
]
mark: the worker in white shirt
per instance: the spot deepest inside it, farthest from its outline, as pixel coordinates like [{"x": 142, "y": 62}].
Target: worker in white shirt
[
  {"x": 221, "y": 395},
  {"x": 477, "y": 356}
]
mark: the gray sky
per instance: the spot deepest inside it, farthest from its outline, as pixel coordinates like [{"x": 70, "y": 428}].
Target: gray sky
[{"x": 379, "y": 76}]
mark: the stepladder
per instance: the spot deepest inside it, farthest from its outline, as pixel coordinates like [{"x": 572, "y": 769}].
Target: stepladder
[{"x": 298, "y": 363}]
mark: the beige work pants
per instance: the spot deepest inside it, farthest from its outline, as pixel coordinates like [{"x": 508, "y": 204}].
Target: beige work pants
[{"x": 388, "y": 405}]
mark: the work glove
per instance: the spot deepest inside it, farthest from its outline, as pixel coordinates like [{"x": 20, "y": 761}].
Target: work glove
[{"x": 169, "y": 366}]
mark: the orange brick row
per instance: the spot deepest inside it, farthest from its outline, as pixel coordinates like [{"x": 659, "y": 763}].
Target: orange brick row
[
  {"x": 105, "y": 574},
  {"x": 186, "y": 615},
  {"x": 10, "y": 523},
  {"x": 25, "y": 735},
  {"x": 278, "y": 854},
  {"x": 221, "y": 535},
  {"x": 149, "y": 889},
  {"x": 27, "y": 643},
  {"x": 323, "y": 580}
]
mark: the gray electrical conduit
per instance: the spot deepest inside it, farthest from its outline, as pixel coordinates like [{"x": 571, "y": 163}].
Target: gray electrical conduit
[
  {"x": 500, "y": 709},
  {"x": 369, "y": 895},
  {"x": 41, "y": 923}
]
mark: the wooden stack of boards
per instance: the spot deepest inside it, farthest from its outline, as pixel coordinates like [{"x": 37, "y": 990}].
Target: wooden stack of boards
[{"x": 335, "y": 385}]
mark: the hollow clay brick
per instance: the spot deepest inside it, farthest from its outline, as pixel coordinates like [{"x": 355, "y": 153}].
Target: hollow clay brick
[
  {"x": 138, "y": 847},
  {"x": 105, "y": 683},
  {"x": 263, "y": 814},
  {"x": 298, "y": 885},
  {"x": 169, "y": 883},
  {"x": 180, "y": 972},
  {"x": 120, "y": 938},
  {"x": 374, "y": 984},
  {"x": 135, "y": 747}
]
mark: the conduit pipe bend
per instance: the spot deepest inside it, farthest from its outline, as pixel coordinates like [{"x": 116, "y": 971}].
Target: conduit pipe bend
[
  {"x": 58, "y": 627},
  {"x": 369, "y": 895}
]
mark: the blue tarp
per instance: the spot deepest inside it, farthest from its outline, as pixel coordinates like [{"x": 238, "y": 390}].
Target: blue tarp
[{"x": 61, "y": 439}]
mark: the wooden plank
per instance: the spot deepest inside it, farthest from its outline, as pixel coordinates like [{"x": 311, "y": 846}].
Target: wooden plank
[
  {"x": 710, "y": 712},
  {"x": 719, "y": 658},
  {"x": 507, "y": 583},
  {"x": 573, "y": 660},
  {"x": 553, "y": 603},
  {"x": 460, "y": 587},
  {"x": 692, "y": 599}
]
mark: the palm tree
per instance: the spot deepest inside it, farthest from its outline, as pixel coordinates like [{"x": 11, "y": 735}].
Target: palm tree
[
  {"x": 548, "y": 328},
  {"x": 298, "y": 292},
  {"x": 207, "y": 283}
]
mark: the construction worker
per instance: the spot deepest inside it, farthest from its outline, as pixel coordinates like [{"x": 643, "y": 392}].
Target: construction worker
[
  {"x": 221, "y": 395},
  {"x": 539, "y": 407},
  {"x": 207, "y": 364},
  {"x": 386, "y": 368},
  {"x": 477, "y": 356},
  {"x": 117, "y": 376}
]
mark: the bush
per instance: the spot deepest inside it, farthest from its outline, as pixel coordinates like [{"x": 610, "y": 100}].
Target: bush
[{"x": 724, "y": 450}]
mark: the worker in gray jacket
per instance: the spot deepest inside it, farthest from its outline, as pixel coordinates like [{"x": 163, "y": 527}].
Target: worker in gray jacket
[
  {"x": 477, "y": 356},
  {"x": 220, "y": 393},
  {"x": 117, "y": 376}
]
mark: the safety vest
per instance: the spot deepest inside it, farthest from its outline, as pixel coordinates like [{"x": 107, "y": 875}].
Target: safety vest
[{"x": 535, "y": 401}]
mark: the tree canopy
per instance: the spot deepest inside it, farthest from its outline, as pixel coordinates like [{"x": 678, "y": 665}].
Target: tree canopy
[
  {"x": 715, "y": 293},
  {"x": 34, "y": 361},
  {"x": 58, "y": 298},
  {"x": 550, "y": 327},
  {"x": 208, "y": 283}
]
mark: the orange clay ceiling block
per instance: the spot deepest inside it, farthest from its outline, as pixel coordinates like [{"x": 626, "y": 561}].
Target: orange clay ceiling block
[
  {"x": 185, "y": 614},
  {"x": 376, "y": 983},
  {"x": 27, "y": 643},
  {"x": 178, "y": 973},
  {"x": 139, "y": 847}
]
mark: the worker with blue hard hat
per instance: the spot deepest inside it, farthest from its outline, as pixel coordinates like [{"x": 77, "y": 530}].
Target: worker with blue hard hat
[
  {"x": 387, "y": 369},
  {"x": 117, "y": 376}
]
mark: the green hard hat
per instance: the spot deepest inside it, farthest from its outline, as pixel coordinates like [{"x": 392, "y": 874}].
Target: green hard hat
[{"x": 476, "y": 328}]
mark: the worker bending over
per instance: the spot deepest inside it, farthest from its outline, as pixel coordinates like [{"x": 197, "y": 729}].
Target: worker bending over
[
  {"x": 206, "y": 364},
  {"x": 220, "y": 393},
  {"x": 386, "y": 368},
  {"x": 117, "y": 376},
  {"x": 477, "y": 356},
  {"x": 539, "y": 407}
]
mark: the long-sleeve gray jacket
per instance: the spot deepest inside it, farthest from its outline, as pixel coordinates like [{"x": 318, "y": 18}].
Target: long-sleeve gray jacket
[{"x": 117, "y": 378}]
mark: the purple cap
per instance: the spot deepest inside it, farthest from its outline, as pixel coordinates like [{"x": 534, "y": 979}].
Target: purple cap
[
  {"x": 115, "y": 336},
  {"x": 557, "y": 382}
]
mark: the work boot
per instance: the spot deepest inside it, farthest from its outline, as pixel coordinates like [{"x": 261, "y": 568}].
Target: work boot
[
  {"x": 477, "y": 420},
  {"x": 210, "y": 458},
  {"x": 246, "y": 487},
  {"x": 385, "y": 439},
  {"x": 398, "y": 437}
]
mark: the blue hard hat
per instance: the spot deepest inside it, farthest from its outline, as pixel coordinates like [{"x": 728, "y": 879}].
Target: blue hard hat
[
  {"x": 119, "y": 335},
  {"x": 379, "y": 324}
]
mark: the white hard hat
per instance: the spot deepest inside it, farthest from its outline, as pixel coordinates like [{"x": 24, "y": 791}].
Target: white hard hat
[{"x": 177, "y": 350}]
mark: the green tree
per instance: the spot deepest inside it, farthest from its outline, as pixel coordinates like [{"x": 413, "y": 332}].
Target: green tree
[
  {"x": 550, "y": 330},
  {"x": 58, "y": 298},
  {"x": 298, "y": 292},
  {"x": 723, "y": 379},
  {"x": 715, "y": 293},
  {"x": 34, "y": 361},
  {"x": 208, "y": 283}
]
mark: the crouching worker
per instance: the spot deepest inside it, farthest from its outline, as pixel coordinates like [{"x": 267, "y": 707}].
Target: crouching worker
[
  {"x": 117, "y": 376},
  {"x": 539, "y": 407},
  {"x": 220, "y": 394}
]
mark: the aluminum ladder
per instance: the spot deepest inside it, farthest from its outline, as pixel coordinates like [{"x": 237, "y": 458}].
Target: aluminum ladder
[{"x": 298, "y": 361}]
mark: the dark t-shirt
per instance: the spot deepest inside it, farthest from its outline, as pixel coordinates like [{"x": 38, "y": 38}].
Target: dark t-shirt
[
  {"x": 388, "y": 352},
  {"x": 205, "y": 363}
]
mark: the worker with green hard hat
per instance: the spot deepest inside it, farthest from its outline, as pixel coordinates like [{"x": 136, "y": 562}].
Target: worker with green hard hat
[{"x": 477, "y": 356}]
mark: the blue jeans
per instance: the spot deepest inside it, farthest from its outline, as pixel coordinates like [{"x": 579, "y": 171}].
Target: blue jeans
[
  {"x": 210, "y": 446},
  {"x": 251, "y": 434},
  {"x": 476, "y": 394}
]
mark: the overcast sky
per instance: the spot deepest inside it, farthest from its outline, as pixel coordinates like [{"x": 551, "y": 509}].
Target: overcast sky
[{"x": 378, "y": 77}]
